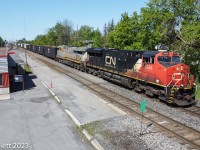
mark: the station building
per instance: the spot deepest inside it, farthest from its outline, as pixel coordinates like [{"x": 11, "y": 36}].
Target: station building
[{"x": 7, "y": 72}]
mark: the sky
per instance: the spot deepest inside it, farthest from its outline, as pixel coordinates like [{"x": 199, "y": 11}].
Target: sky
[{"x": 29, "y": 18}]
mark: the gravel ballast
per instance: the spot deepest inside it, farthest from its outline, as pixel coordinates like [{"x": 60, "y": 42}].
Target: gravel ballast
[
  {"x": 170, "y": 111},
  {"x": 124, "y": 133}
]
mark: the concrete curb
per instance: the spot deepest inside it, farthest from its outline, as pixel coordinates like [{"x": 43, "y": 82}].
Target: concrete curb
[
  {"x": 73, "y": 118},
  {"x": 92, "y": 140},
  {"x": 54, "y": 95},
  {"x": 111, "y": 105},
  {"x": 87, "y": 135}
]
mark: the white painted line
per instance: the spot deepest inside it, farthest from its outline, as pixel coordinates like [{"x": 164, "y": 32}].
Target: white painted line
[
  {"x": 73, "y": 118},
  {"x": 52, "y": 92},
  {"x": 87, "y": 135},
  {"x": 93, "y": 141},
  {"x": 96, "y": 145},
  {"x": 59, "y": 101},
  {"x": 117, "y": 109},
  {"x": 112, "y": 106},
  {"x": 44, "y": 84}
]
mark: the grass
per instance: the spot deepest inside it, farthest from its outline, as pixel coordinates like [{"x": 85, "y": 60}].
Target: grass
[
  {"x": 90, "y": 127},
  {"x": 27, "y": 69}
]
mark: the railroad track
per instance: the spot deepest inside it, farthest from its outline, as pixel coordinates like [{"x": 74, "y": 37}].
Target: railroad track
[
  {"x": 165, "y": 124},
  {"x": 194, "y": 110}
]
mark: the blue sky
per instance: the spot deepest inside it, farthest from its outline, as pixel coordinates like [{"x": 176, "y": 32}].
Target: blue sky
[{"x": 28, "y": 18}]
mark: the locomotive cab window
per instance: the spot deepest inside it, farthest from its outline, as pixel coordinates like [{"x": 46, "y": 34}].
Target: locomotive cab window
[
  {"x": 176, "y": 59},
  {"x": 149, "y": 60},
  {"x": 164, "y": 59}
]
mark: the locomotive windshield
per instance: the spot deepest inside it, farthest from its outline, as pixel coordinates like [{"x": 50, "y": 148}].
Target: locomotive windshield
[
  {"x": 168, "y": 59},
  {"x": 175, "y": 59},
  {"x": 164, "y": 59}
]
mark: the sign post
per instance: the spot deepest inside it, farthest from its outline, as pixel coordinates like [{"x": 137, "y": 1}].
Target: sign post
[{"x": 142, "y": 109}]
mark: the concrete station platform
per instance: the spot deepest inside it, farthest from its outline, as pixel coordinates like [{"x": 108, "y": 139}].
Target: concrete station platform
[
  {"x": 35, "y": 121},
  {"x": 33, "y": 117}
]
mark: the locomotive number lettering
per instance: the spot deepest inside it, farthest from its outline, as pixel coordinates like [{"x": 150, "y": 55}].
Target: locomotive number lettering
[{"x": 149, "y": 67}]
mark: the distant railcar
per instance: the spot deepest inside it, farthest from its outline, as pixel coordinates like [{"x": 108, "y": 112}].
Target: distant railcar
[
  {"x": 31, "y": 47},
  {"x": 40, "y": 50},
  {"x": 34, "y": 48},
  {"x": 50, "y": 52},
  {"x": 28, "y": 47}
]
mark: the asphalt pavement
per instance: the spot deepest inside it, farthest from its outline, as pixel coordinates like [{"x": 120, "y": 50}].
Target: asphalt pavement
[{"x": 33, "y": 120}]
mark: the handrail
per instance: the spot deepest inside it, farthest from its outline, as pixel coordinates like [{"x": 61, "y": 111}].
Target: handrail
[
  {"x": 168, "y": 86},
  {"x": 176, "y": 83}
]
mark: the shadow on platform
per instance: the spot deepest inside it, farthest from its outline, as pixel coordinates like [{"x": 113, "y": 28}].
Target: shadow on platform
[{"x": 28, "y": 83}]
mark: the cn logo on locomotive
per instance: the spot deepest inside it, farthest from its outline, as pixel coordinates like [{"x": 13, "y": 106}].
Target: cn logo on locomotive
[{"x": 110, "y": 61}]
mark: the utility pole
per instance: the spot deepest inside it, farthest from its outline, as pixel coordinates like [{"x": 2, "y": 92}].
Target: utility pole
[
  {"x": 77, "y": 35},
  {"x": 24, "y": 42}
]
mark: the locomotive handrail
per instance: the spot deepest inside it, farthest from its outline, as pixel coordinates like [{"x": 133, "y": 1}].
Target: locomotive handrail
[
  {"x": 168, "y": 86},
  {"x": 176, "y": 83}
]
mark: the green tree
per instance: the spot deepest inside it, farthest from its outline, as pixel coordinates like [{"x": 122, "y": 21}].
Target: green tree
[
  {"x": 123, "y": 36},
  {"x": 110, "y": 26},
  {"x": 1, "y": 42},
  {"x": 97, "y": 38},
  {"x": 85, "y": 33},
  {"x": 110, "y": 41},
  {"x": 60, "y": 34}
]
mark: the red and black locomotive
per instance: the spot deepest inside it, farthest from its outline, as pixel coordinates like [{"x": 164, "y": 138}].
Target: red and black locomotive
[{"x": 157, "y": 73}]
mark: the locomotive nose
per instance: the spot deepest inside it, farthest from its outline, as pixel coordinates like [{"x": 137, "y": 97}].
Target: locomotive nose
[{"x": 181, "y": 76}]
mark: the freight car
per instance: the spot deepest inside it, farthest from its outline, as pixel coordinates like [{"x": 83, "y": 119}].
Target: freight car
[
  {"x": 47, "y": 51},
  {"x": 40, "y": 50},
  {"x": 50, "y": 52},
  {"x": 156, "y": 73}
]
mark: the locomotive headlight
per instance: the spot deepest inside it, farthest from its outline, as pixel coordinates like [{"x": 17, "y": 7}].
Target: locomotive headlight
[
  {"x": 177, "y": 68},
  {"x": 181, "y": 67},
  {"x": 181, "y": 85},
  {"x": 194, "y": 84}
]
